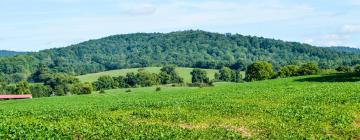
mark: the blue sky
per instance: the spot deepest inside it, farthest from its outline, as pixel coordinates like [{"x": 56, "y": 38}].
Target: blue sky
[{"x": 32, "y": 25}]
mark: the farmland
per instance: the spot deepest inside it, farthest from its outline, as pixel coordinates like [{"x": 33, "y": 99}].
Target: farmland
[{"x": 310, "y": 107}]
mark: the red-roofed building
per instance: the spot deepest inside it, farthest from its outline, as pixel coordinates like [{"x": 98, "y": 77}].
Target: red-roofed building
[{"x": 20, "y": 96}]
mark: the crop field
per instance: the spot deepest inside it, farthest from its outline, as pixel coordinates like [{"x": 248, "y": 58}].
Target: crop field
[
  {"x": 311, "y": 107},
  {"x": 183, "y": 72}
]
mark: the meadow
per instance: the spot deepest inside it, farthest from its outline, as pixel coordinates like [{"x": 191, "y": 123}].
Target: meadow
[
  {"x": 182, "y": 71},
  {"x": 307, "y": 107}
]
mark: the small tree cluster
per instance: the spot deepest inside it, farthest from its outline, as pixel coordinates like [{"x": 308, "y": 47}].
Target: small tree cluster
[
  {"x": 142, "y": 78},
  {"x": 344, "y": 69},
  {"x": 168, "y": 75},
  {"x": 294, "y": 70},
  {"x": 228, "y": 75},
  {"x": 260, "y": 70}
]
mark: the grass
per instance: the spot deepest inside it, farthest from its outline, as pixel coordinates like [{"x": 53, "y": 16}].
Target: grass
[
  {"x": 183, "y": 72},
  {"x": 289, "y": 108}
]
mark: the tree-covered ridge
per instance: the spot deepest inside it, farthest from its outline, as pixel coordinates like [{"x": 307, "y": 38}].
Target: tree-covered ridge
[
  {"x": 345, "y": 49},
  {"x": 10, "y": 53},
  {"x": 184, "y": 48}
]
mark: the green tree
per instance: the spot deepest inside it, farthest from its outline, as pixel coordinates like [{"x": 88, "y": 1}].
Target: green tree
[
  {"x": 82, "y": 88},
  {"x": 60, "y": 83},
  {"x": 22, "y": 87},
  {"x": 226, "y": 74},
  {"x": 131, "y": 79},
  {"x": 146, "y": 79},
  {"x": 168, "y": 75},
  {"x": 309, "y": 69},
  {"x": 104, "y": 82},
  {"x": 120, "y": 82},
  {"x": 288, "y": 70},
  {"x": 199, "y": 76},
  {"x": 237, "y": 77},
  {"x": 260, "y": 70},
  {"x": 343, "y": 69},
  {"x": 357, "y": 69}
]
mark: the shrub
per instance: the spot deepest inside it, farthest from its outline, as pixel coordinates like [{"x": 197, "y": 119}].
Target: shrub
[
  {"x": 168, "y": 75},
  {"x": 199, "y": 76},
  {"x": 357, "y": 69},
  {"x": 39, "y": 90},
  {"x": 259, "y": 71},
  {"x": 102, "y": 91},
  {"x": 104, "y": 82},
  {"x": 226, "y": 74},
  {"x": 158, "y": 89},
  {"x": 146, "y": 79},
  {"x": 82, "y": 88},
  {"x": 22, "y": 87},
  {"x": 128, "y": 90},
  {"x": 288, "y": 70},
  {"x": 343, "y": 69},
  {"x": 309, "y": 69}
]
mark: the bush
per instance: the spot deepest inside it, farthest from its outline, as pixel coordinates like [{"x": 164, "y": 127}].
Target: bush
[
  {"x": 357, "y": 69},
  {"x": 226, "y": 74},
  {"x": 158, "y": 89},
  {"x": 199, "y": 76},
  {"x": 289, "y": 70},
  {"x": 343, "y": 69},
  {"x": 147, "y": 79},
  {"x": 309, "y": 69},
  {"x": 168, "y": 75},
  {"x": 104, "y": 82},
  {"x": 128, "y": 90},
  {"x": 39, "y": 90},
  {"x": 259, "y": 71},
  {"x": 102, "y": 91},
  {"x": 81, "y": 88},
  {"x": 22, "y": 87}
]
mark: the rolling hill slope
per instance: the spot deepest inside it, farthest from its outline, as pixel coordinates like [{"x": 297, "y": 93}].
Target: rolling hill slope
[{"x": 185, "y": 49}]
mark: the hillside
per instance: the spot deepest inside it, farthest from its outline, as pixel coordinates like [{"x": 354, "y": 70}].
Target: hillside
[
  {"x": 345, "y": 49},
  {"x": 183, "y": 72},
  {"x": 312, "y": 107},
  {"x": 4, "y": 53},
  {"x": 185, "y": 49}
]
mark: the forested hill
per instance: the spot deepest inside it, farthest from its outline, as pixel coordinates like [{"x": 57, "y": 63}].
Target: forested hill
[
  {"x": 345, "y": 49},
  {"x": 4, "y": 53},
  {"x": 185, "y": 48}
]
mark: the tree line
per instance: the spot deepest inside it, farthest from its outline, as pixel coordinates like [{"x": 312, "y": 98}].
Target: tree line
[
  {"x": 45, "y": 83},
  {"x": 196, "y": 49}
]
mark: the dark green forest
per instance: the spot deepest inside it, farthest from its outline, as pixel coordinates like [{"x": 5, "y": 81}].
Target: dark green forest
[{"x": 191, "y": 48}]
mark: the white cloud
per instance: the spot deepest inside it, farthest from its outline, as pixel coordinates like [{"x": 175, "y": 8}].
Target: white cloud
[
  {"x": 349, "y": 29},
  {"x": 142, "y": 9}
]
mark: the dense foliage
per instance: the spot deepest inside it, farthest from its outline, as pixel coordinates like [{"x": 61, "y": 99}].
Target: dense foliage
[
  {"x": 142, "y": 78},
  {"x": 228, "y": 75},
  {"x": 197, "y": 49},
  {"x": 260, "y": 70}
]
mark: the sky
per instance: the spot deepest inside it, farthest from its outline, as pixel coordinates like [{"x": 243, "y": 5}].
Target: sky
[{"x": 33, "y": 25}]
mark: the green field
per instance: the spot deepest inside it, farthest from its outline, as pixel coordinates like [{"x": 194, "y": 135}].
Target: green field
[
  {"x": 312, "y": 107},
  {"x": 183, "y": 72}
]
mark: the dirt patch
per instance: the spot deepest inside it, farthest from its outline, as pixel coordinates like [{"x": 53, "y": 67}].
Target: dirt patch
[
  {"x": 189, "y": 126},
  {"x": 357, "y": 120},
  {"x": 241, "y": 130}
]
